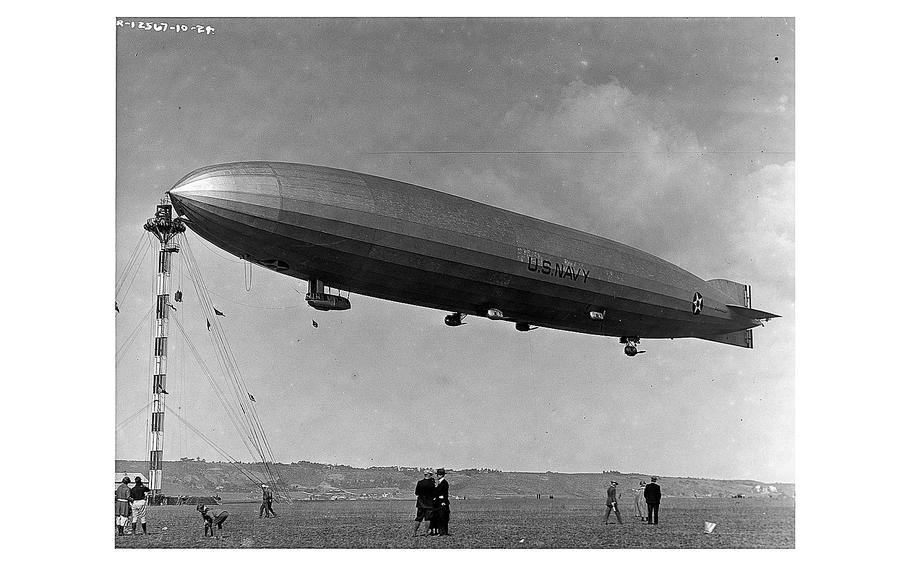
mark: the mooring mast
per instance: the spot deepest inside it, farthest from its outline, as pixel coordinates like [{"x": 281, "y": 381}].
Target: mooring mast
[{"x": 163, "y": 226}]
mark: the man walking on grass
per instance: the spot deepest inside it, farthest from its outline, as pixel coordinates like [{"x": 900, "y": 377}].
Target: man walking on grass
[
  {"x": 266, "y": 506},
  {"x": 612, "y": 503}
]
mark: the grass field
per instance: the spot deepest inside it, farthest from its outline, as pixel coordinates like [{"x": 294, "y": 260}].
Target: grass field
[{"x": 482, "y": 523}]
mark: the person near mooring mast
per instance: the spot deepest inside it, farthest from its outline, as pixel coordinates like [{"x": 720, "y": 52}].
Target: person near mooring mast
[
  {"x": 138, "y": 504},
  {"x": 122, "y": 504}
]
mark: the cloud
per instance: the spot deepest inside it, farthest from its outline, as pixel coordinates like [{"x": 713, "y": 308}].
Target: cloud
[{"x": 659, "y": 193}]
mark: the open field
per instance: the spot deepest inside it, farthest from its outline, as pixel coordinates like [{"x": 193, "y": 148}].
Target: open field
[{"x": 487, "y": 523}]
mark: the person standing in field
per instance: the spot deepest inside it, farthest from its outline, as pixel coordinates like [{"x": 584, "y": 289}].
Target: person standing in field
[
  {"x": 266, "y": 506},
  {"x": 441, "y": 503},
  {"x": 612, "y": 503},
  {"x": 271, "y": 500},
  {"x": 640, "y": 505},
  {"x": 426, "y": 492},
  {"x": 652, "y": 496},
  {"x": 122, "y": 504},
  {"x": 137, "y": 499}
]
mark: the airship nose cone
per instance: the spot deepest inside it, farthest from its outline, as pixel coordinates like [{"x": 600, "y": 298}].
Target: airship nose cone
[
  {"x": 228, "y": 190},
  {"x": 178, "y": 199}
]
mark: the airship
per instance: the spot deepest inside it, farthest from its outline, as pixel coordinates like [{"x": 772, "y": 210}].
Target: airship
[{"x": 378, "y": 237}]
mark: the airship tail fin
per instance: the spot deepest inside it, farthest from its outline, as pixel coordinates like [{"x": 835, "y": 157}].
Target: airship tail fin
[
  {"x": 742, "y": 293},
  {"x": 738, "y": 338},
  {"x": 750, "y": 313}
]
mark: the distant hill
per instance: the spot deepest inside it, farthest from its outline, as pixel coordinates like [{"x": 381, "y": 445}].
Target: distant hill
[{"x": 322, "y": 481}]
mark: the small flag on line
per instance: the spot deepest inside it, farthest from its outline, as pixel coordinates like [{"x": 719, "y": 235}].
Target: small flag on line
[{"x": 251, "y": 397}]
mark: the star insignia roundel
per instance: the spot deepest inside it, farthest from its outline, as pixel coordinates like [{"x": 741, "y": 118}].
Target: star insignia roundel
[{"x": 697, "y": 303}]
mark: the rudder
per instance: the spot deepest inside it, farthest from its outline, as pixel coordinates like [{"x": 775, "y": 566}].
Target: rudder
[
  {"x": 738, "y": 338},
  {"x": 742, "y": 293}
]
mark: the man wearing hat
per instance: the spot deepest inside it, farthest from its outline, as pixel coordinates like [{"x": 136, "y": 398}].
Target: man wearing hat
[
  {"x": 426, "y": 492},
  {"x": 122, "y": 504},
  {"x": 266, "y": 502},
  {"x": 652, "y": 497},
  {"x": 612, "y": 503},
  {"x": 137, "y": 497},
  {"x": 441, "y": 503}
]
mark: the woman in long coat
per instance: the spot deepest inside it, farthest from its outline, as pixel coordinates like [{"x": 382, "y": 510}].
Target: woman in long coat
[
  {"x": 122, "y": 504},
  {"x": 640, "y": 506}
]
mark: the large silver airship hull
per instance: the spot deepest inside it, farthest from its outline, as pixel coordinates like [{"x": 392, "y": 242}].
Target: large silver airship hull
[{"x": 401, "y": 242}]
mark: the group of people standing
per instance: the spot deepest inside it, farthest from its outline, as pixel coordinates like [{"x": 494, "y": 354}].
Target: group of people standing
[
  {"x": 433, "y": 503},
  {"x": 130, "y": 502},
  {"x": 647, "y": 497}
]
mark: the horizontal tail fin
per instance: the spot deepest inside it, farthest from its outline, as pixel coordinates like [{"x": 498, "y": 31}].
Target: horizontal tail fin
[
  {"x": 738, "y": 338},
  {"x": 750, "y": 313}
]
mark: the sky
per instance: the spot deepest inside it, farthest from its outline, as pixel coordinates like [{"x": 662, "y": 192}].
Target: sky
[{"x": 694, "y": 124}]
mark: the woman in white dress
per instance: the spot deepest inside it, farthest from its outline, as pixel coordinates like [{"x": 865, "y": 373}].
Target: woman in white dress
[{"x": 640, "y": 506}]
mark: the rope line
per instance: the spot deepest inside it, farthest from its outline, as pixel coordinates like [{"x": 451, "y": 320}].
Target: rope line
[
  {"x": 231, "y": 460},
  {"x": 236, "y": 303},
  {"x": 213, "y": 251},
  {"x": 132, "y": 336},
  {"x": 132, "y": 269},
  {"x": 231, "y": 370},
  {"x": 219, "y": 393},
  {"x": 126, "y": 420},
  {"x": 131, "y": 259}
]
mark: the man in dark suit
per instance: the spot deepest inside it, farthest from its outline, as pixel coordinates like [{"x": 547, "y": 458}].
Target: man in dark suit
[
  {"x": 425, "y": 491},
  {"x": 612, "y": 503},
  {"x": 266, "y": 502},
  {"x": 652, "y": 498},
  {"x": 441, "y": 503}
]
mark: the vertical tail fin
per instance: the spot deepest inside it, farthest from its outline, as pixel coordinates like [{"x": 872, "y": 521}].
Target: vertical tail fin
[
  {"x": 738, "y": 338},
  {"x": 741, "y": 293}
]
